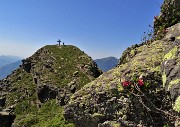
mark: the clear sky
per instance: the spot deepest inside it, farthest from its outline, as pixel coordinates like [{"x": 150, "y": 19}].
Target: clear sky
[{"x": 101, "y": 28}]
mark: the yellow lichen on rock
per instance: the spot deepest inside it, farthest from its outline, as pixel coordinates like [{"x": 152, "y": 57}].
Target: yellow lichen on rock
[
  {"x": 177, "y": 105},
  {"x": 171, "y": 54},
  {"x": 178, "y": 38},
  {"x": 164, "y": 78},
  {"x": 173, "y": 82}
]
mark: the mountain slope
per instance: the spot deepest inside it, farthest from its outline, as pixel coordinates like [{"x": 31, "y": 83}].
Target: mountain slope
[
  {"x": 133, "y": 93},
  {"x": 8, "y": 59},
  {"x": 45, "y": 82},
  {"x": 107, "y": 63},
  {"x": 7, "y": 69}
]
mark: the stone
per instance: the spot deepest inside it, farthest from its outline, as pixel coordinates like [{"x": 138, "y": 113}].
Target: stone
[
  {"x": 6, "y": 119},
  {"x": 2, "y": 101},
  {"x": 26, "y": 64},
  {"x": 73, "y": 88},
  {"x": 46, "y": 92},
  {"x": 72, "y": 83},
  {"x": 75, "y": 73}
]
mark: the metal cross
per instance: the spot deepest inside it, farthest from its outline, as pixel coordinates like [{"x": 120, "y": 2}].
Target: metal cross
[{"x": 59, "y": 41}]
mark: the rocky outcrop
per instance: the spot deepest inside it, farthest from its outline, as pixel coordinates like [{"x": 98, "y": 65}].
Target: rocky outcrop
[
  {"x": 2, "y": 101},
  {"x": 170, "y": 66},
  {"x": 26, "y": 64},
  {"x": 105, "y": 102},
  {"x": 6, "y": 117},
  {"x": 171, "y": 72},
  {"x": 169, "y": 16}
]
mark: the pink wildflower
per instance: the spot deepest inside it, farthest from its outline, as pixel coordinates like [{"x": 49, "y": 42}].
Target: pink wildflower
[
  {"x": 140, "y": 82},
  {"x": 126, "y": 83}
]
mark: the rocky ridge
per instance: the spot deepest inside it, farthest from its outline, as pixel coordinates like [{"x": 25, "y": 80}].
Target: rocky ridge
[{"x": 45, "y": 80}]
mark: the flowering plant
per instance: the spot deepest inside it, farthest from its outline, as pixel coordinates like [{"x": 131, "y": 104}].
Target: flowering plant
[
  {"x": 138, "y": 81},
  {"x": 126, "y": 83}
]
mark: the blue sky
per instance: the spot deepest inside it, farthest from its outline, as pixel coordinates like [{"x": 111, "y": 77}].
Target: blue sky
[{"x": 99, "y": 27}]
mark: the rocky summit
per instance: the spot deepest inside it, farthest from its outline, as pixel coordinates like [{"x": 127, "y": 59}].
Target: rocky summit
[{"x": 33, "y": 95}]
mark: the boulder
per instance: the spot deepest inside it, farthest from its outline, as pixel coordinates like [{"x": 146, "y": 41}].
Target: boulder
[
  {"x": 2, "y": 101},
  {"x": 26, "y": 64},
  {"x": 46, "y": 92},
  {"x": 6, "y": 119}
]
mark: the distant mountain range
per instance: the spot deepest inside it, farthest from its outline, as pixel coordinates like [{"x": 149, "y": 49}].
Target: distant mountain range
[
  {"x": 107, "y": 63},
  {"x": 7, "y": 69},
  {"x": 8, "y": 64},
  {"x": 4, "y": 60}
]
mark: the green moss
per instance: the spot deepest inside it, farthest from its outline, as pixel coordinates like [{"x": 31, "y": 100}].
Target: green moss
[
  {"x": 176, "y": 106},
  {"x": 171, "y": 54}
]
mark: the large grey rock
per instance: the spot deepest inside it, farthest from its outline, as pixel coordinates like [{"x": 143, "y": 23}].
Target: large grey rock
[
  {"x": 171, "y": 72},
  {"x": 171, "y": 63}
]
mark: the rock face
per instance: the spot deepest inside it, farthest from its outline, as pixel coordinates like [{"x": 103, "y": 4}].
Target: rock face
[
  {"x": 52, "y": 74},
  {"x": 104, "y": 102},
  {"x": 170, "y": 67}
]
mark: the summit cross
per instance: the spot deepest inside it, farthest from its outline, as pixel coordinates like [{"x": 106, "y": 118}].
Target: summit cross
[{"x": 59, "y": 41}]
